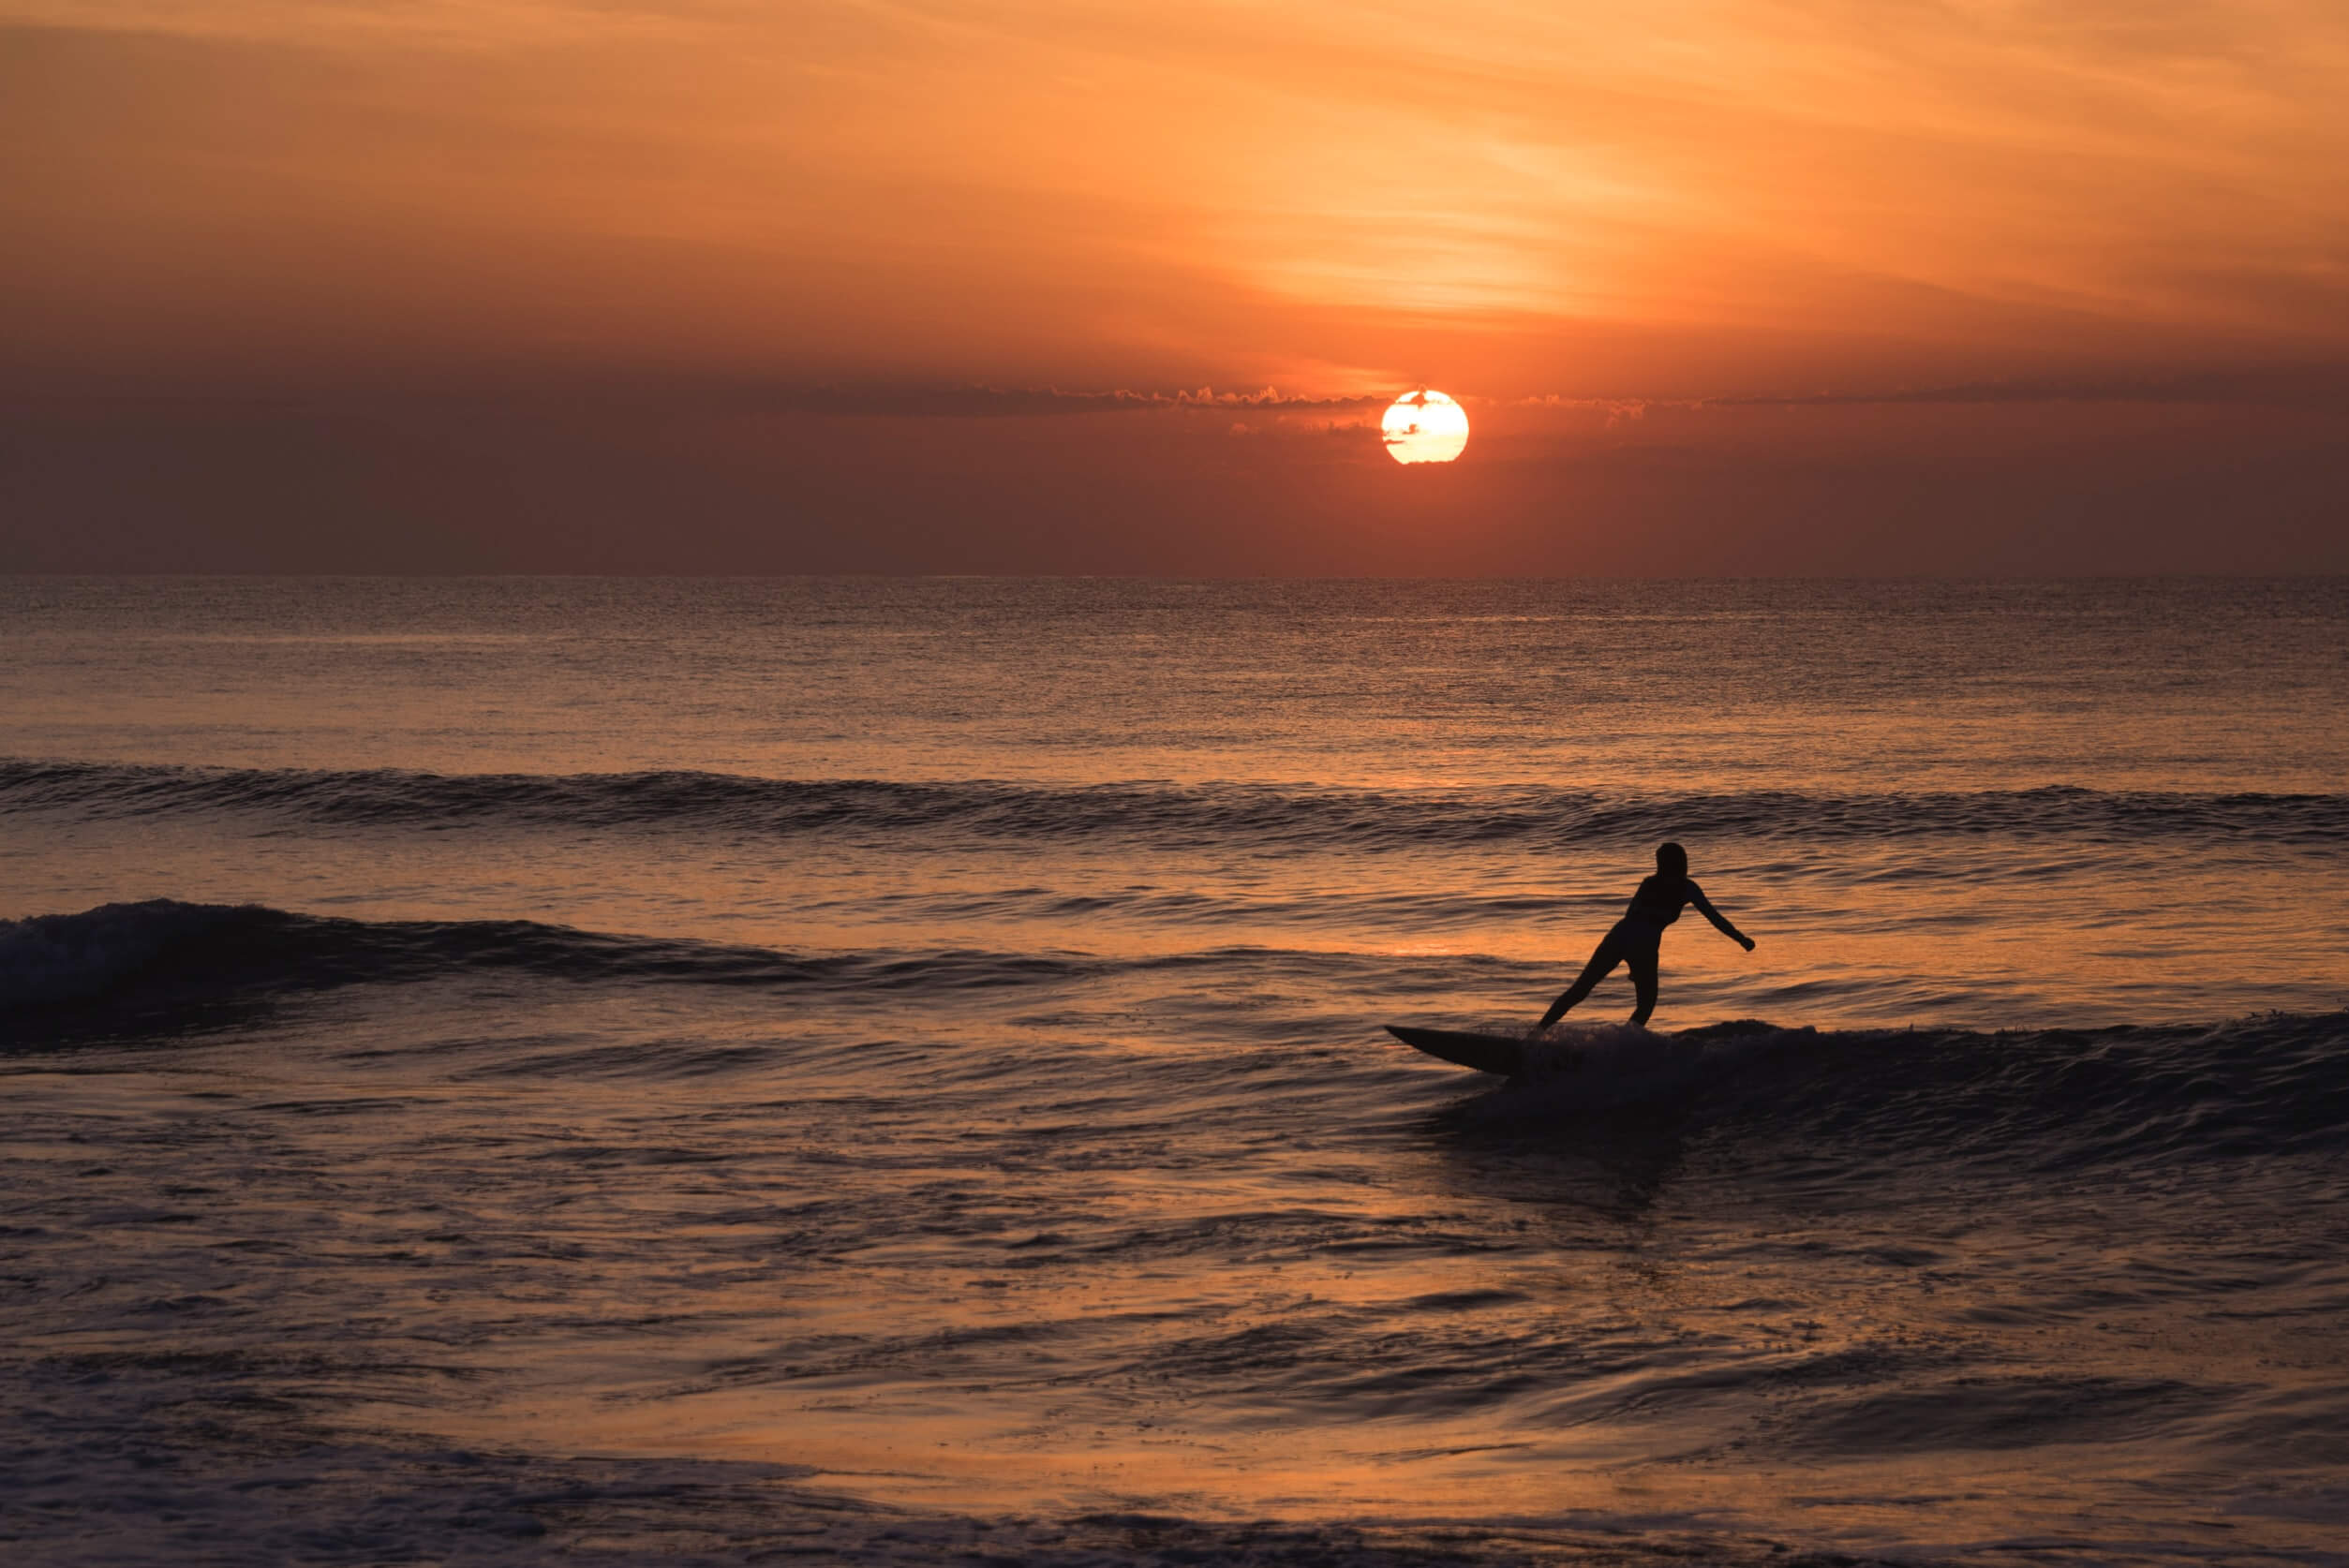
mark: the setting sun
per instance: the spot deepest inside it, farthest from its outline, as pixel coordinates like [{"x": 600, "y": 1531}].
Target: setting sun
[{"x": 1424, "y": 427}]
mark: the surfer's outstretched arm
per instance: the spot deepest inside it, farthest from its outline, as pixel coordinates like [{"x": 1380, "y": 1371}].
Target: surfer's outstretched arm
[{"x": 1720, "y": 921}]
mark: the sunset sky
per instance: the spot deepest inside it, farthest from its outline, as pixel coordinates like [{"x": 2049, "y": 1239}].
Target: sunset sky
[{"x": 1725, "y": 286}]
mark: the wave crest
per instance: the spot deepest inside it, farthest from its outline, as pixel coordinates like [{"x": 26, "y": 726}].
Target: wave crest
[
  {"x": 1265, "y": 817},
  {"x": 164, "y": 951}
]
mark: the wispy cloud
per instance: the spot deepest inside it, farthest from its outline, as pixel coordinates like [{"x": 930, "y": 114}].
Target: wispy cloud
[
  {"x": 2305, "y": 387},
  {"x": 981, "y": 401}
]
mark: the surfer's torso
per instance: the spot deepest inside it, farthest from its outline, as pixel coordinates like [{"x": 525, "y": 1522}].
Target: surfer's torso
[{"x": 1657, "y": 904}]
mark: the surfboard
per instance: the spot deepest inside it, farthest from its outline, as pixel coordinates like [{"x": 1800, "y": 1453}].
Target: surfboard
[{"x": 1487, "y": 1053}]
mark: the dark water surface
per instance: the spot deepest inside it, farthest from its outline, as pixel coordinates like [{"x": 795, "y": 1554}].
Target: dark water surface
[{"x": 889, "y": 1072}]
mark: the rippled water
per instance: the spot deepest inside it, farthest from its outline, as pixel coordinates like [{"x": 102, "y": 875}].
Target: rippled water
[{"x": 884, "y": 1069}]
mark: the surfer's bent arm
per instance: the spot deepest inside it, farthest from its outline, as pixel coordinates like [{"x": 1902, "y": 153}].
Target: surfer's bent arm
[{"x": 1720, "y": 921}]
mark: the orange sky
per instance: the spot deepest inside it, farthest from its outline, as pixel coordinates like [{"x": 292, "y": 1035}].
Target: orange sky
[{"x": 1751, "y": 280}]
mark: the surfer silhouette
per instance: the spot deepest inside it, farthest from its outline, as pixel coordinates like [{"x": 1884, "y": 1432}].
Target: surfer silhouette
[{"x": 1639, "y": 935}]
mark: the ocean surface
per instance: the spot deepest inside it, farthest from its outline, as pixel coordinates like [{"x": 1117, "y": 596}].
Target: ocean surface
[{"x": 879, "y": 1070}]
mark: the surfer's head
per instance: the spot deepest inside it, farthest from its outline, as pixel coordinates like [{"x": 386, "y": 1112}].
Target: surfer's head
[{"x": 1672, "y": 860}]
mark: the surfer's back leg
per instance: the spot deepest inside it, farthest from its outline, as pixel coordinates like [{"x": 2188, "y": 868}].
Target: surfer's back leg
[
  {"x": 1642, "y": 962},
  {"x": 1603, "y": 960}
]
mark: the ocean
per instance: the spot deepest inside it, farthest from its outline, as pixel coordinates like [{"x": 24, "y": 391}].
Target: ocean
[{"x": 892, "y": 1071}]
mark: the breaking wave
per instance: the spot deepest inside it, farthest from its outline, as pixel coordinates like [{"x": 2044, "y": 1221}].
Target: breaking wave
[
  {"x": 164, "y": 947},
  {"x": 2037, "y": 1099}
]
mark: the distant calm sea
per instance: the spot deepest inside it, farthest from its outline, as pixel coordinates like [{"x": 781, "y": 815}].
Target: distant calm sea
[{"x": 880, "y": 1070}]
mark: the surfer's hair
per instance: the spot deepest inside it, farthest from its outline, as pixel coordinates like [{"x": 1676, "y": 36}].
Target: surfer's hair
[{"x": 1672, "y": 860}]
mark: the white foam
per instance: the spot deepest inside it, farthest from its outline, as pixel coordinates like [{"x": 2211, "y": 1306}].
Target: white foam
[
  {"x": 72, "y": 957},
  {"x": 1608, "y": 1064}
]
